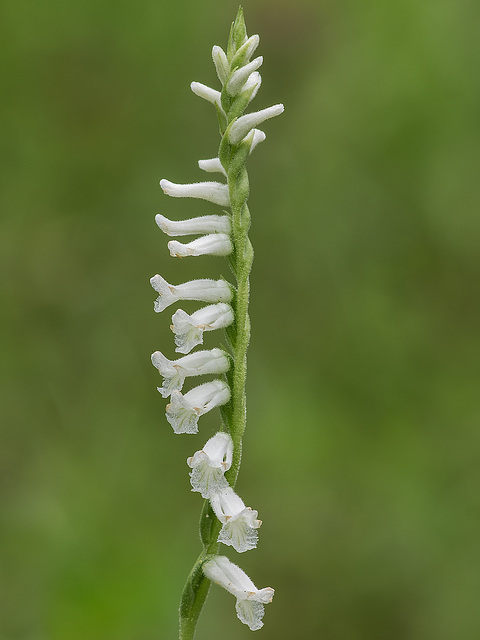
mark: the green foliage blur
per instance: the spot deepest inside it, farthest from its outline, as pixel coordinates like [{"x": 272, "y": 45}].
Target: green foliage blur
[{"x": 362, "y": 447}]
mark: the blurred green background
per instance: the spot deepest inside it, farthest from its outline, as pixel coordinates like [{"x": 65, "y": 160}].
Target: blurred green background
[{"x": 362, "y": 449}]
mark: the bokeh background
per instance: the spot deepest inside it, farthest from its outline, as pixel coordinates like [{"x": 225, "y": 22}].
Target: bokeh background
[{"x": 362, "y": 449}]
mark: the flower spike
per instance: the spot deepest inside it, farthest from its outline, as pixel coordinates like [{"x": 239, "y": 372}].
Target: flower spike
[
  {"x": 250, "y": 600},
  {"x": 210, "y": 463},
  {"x": 184, "y": 411},
  {"x": 214, "y": 469}
]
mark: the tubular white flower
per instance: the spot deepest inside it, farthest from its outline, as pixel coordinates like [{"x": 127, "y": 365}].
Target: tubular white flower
[
  {"x": 202, "y": 91},
  {"x": 184, "y": 411},
  {"x": 239, "y": 77},
  {"x": 215, "y": 192},
  {"x": 213, "y": 244},
  {"x": 212, "y": 165},
  {"x": 205, "y": 290},
  {"x": 200, "y": 225},
  {"x": 244, "y": 124},
  {"x": 249, "y": 47},
  {"x": 254, "y": 80},
  {"x": 221, "y": 63},
  {"x": 198, "y": 363},
  {"x": 239, "y": 522},
  {"x": 188, "y": 329},
  {"x": 250, "y": 600},
  {"x": 210, "y": 463}
]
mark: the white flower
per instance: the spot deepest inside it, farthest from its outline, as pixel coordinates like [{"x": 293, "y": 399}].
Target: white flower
[
  {"x": 198, "y": 363},
  {"x": 184, "y": 411},
  {"x": 244, "y": 124},
  {"x": 248, "y": 48},
  {"x": 213, "y": 96},
  {"x": 210, "y": 463},
  {"x": 200, "y": 225},
  {"x": 212, "y": 165},
  {"x": 239, "y": 77},
  {"x": 250, "y": 600},
  {"x": 221, "y": 63},
  {"x": 239, "y": 522},
  {"x": 258, "y": 136},
  {"x": 202, "y": 290},
  {"x": 188, "y": 329},
  {"x": 254, "y": 80},
  {"x": 215, "y": 192},
  {"x": 213, "y": 244}
]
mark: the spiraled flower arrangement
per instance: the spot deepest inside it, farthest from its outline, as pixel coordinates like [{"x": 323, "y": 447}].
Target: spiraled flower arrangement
[{"x": 214, "y": 469}]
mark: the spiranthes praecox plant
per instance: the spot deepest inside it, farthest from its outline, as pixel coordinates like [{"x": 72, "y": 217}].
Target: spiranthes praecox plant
[{"x": 214, "y": 469}]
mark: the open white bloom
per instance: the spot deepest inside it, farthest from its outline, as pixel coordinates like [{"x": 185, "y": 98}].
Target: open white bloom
[
  {"x": 221, "y": 63},
  {"x": 239, "y": 522},
  {"x": 250, "y": 600},
  {"x": 210, "y": 463},
  {"x": 198, "y": 363},
  {"x": 239, "y": 77},
  {"x": 188, "y": 329},
  {"x": 244, "y": 124},
  {"x": 213, "y": 244},
  {"x": 193, "y": 226},
  {"x": 184, "y": 411},
  {"x": 205, "y": 290},
  {"x": 215, "y": 192},
  {"x": 212, "y": 165}
]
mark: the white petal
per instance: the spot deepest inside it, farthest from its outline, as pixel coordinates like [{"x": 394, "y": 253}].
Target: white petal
[
  {"x": 249, "y": 47},
  {"x": 212, "y": 165},
  {"x": 202, "y": 224},
  {"x": 240, "y": 532},
  {"x": 167, "y": 293},
  {"x": 221, "y": 63},
  {"x": 258, "y": 136},
  {"x": 251, "y": 613},
  {"x": 255, "y": 80},
  {"x": 214, "y": 244},
  {"x": 239, "y": 77},
  {"x": 207, "y": 93},
  {"x": 215, "y": 192},
  {"x": 182, "y": 417},
  {"x": 209, "y": 465},
  {"x": 241, "y": 127}
]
